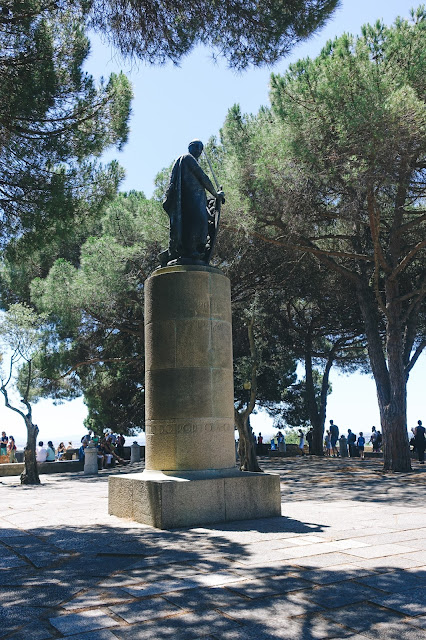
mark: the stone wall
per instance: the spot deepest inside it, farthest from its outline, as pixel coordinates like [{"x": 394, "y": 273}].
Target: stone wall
[{"x": 65, "y": 466}]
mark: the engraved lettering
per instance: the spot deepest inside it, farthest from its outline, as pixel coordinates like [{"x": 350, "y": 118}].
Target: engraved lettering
[{"x": 187, "y": 428}]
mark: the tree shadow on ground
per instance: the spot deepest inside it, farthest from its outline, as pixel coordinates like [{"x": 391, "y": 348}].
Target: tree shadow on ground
[
  {"x": 187, "y": 584},
  {"x": 310, "y": 477},
  {"x": 184, "y": 584}
]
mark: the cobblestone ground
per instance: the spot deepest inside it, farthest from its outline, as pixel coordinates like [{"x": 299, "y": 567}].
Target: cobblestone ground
[{"x": 346, "y": 560}]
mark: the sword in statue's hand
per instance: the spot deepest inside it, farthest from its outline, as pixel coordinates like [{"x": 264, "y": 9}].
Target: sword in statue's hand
[{"x": 220, "y": 199}]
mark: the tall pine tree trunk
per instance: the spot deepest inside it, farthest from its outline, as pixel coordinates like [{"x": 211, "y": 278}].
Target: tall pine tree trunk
[
  {"x": 317, "y": 414},
  {"x": 246, "y": 445},
  {"x": 390, "y": 378}
]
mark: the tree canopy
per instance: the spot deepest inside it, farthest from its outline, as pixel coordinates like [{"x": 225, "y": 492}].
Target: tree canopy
[
  {"x": 337, "y": 170},
  {"x": 245, "y": 32},
  {"x": 54, "y": 121}
]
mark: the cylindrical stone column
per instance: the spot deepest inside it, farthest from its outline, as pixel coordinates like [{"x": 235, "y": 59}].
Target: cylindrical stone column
[
  {"x": 91, "y": 459},
  {"x": 135, "y": 453},
  {"x": 188, "y": 370}
]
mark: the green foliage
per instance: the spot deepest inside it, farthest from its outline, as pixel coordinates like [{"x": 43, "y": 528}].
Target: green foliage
[
  {"x": 54, "y": 119},
  {"x": 244, "y": 32},
  {"x": 336, "y": 170},
  {"x": 294, "y": 407},
  {"x": 20, "y": 330},
  {"x": 24, "y": 334},
  {"x": 98, "y": 311}
]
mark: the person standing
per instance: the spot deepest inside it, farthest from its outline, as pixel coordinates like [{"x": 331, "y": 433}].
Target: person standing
[
  {"x": 334, "y": 436},
  {"x": 3, "y": 443},
  {"x": 120, "y": 445},
  {"x": 11, "y": 449},
  {"x": 420, "y": 440},
  {"x": 361, "y": 445},
  {"x": 373, "y": 439},
  {"x": 302, "y": 442},
  {"x": 351, "y": 443},
  {"x": 327, "y": 443},
  {"x": 281, "y": 442},
  {"x": 379, "y": 441},
  {"x": 309, "y": 438}
]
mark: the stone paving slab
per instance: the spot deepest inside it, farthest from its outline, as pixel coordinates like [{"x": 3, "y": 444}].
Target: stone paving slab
[
  {"x": 352, "y": 565},
  {"x": 394, "y": 581},
  {"x": 85, "y": 621},
  {"x": 411, "y": 601}
]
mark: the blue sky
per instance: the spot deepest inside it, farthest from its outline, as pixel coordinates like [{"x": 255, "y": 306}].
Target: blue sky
[{"x": 173, "y": 105}]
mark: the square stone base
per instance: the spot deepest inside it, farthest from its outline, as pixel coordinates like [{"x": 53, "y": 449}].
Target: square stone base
[{"x": 167, "y": 502}]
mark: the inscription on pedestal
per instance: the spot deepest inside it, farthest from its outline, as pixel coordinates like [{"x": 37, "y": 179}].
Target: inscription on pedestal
[{"x": 177, "y": 427}]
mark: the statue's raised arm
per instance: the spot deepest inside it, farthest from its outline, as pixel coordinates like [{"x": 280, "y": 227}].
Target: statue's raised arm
[{"x": 193, "y": 225}]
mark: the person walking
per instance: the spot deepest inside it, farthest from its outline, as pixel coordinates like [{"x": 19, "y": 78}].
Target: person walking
[
  {"x": 420, "y": 440},
  {"x": 361, "y": 445}
]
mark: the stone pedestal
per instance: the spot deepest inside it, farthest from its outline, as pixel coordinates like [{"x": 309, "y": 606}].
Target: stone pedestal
[
  {"x": 135, "y": 453},
  {"x": 91, "y": 459},
  {"x": 190, "y": 476}
]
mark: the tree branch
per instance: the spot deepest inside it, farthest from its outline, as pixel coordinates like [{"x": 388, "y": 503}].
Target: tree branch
[{"x": 415, "y": 357}]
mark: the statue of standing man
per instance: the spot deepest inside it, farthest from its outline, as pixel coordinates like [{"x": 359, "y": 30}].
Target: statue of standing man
[{"x": 192, "y": 227}]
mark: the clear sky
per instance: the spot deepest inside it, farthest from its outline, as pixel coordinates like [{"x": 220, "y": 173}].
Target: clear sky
[{"x": 173, "y": 105}]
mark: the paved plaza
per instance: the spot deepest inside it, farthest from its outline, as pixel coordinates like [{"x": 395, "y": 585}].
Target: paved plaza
[{"x": 347, "y": 559}]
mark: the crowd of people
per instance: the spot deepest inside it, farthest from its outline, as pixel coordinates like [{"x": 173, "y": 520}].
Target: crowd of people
[
  {"x": 110, "y": 448},
  {"x": 347, "y": 446},
  {"x": 342, "y": 446},
  {"x": 48, "y": 453}
]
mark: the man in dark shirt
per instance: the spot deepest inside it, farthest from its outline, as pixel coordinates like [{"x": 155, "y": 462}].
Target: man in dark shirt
[
  {"x": 3, "y": 443},
  {"x": 334, "y": 436},
  {"x": 351, "y": 443}
]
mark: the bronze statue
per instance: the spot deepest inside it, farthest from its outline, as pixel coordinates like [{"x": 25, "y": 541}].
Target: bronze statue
[{"x": 193, "y": 222}]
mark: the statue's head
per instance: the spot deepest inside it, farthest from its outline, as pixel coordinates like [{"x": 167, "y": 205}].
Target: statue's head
[{"x": 195, "y": 148}]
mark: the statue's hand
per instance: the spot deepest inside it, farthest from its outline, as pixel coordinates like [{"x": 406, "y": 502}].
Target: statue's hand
[{"x": 220, "y": 195}]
